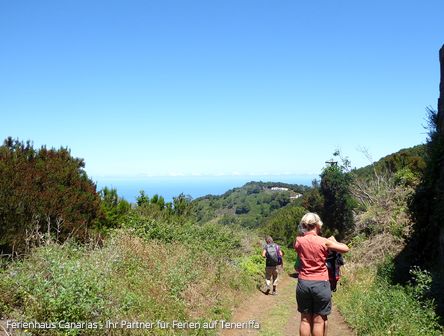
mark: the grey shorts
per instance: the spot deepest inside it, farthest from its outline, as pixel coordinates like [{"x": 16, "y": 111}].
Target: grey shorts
[{"x": 313, "y": 297}]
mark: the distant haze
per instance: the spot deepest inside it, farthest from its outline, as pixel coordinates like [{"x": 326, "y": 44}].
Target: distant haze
[{"x": 169, "y": 187}]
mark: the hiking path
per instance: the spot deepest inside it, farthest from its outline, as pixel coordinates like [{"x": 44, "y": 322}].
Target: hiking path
[{"x": 277, "y": 315}]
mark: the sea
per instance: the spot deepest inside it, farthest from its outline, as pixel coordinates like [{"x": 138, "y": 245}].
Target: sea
[{"x": 195, "y": 186}]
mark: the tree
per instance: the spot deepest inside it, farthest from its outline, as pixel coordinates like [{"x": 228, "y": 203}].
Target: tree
[
  {"x": 154, "y": 199},
  {"x": 312, "y": 199},
  {"x": 283, "y": 225},
  {"x": 182, "y": 205},
  {"x": 338, "y": 203},
  {"x": 161, "y": 202},
  {"x": 242, "y": 209},
  {"x": 43, "y": 192},
  {"x": 142, "y": 199},
  {"x": 113, "y": 207},
  {"x": 428, "y": 203}
]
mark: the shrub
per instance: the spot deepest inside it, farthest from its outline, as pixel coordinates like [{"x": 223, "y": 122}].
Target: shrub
[
  {"x": 421, "y": 283},
  {"x": 57, "y": 282},
  {"x": 129, "y": 278},
  {"x": 43, "y": 193},
  {"x": 383, "y": 206},
  {"x": 282, "y": 226},
  {"x": 253, "y": 264},
  {"x": 214, "y": 238},
  {"x": 373, "y": 307}
]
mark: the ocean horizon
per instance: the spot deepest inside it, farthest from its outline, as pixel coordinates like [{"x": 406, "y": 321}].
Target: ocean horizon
[{"x": 195, "y": 186}]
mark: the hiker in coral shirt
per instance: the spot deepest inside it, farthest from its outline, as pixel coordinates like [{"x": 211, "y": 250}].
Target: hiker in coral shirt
[{"x": 313, "y": 293}]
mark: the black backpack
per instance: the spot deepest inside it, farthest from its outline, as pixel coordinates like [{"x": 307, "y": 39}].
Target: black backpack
[{"x": 334, "y": 262}]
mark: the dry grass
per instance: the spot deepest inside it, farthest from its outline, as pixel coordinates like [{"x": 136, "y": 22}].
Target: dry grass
[
  {"x": 383, "y": 206},
  {"x": 375, "y": 249},
  {"x": 173, "y": 272}
]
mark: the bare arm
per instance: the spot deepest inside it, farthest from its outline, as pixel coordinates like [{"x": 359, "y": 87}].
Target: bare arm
[
  {"x": 264, "y": 252},
  {"x": 332, "y": 244}
]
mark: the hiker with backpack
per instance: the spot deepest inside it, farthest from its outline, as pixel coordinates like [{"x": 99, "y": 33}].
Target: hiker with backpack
[
  {"x": 273, "y": 254},
  {"x": 313, "y": 292}
]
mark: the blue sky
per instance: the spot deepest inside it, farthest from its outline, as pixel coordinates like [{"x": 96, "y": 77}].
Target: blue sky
[{"x": 218, "y": 87}]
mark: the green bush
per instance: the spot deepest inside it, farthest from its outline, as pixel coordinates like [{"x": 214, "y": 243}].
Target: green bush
[
  {"x": 55, "y": 283},
  {"x": 421, "y": 283},
  {"x": 290, "y": 256},
  {"x": 283, "y": 225},
  {"x": 216, "y": 239},
  {"x": 385, "y": 270},
  {"x": 253, "y": 264}
]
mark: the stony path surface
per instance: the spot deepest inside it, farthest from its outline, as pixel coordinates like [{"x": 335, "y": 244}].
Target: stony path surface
[{"x": 277, "y": 315}]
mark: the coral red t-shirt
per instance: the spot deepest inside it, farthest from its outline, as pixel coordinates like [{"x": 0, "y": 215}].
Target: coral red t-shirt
[{"x": 312, "y": 253}]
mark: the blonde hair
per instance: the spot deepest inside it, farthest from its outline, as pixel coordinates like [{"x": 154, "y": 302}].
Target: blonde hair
[{"x": 310, "y": 221}]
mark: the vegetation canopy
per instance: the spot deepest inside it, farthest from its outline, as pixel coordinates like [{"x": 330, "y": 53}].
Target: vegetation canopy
[{"x": 43, "y": 192}]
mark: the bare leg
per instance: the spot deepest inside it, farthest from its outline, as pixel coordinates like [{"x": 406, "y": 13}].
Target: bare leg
[
  {"x": 268, "y": 275},
  {"x": 306, "y": 324},
  {"x": 275, "y": 280},
  {"x": 319, "y": 325},
  {"x": 275, "y": 275}
]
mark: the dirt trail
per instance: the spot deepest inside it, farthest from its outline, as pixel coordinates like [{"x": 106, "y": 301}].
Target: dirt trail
[{"x": 277, "y": 315}]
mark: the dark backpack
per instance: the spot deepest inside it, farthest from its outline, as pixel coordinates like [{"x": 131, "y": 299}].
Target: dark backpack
[
  {"x": 273, "y": 256},
  {"x": 334, "y": 262}
]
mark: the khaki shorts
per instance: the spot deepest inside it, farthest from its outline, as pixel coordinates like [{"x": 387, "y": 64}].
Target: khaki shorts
[{"x": 271, "y": 272}]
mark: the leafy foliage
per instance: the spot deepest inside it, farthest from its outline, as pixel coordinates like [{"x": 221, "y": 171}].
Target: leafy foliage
[
  {"x": 409, "y": 160},
  {"x": 383, "y": 216},
  {"x": 247, "y": 206},
  {"x": 383, "y": 192},
  {"x": 158, "y": 265},
  {"x": 126, "y": 279},
  {"x": 375, "y": 307},
  {"x": 113, "y": 207},
  {"x": 428, "y": 205},
  {"x": 180, "y": 207},
  {"x": 211, "y": 237},
  {"x": 338, "y": 204},
  {"x": 313, "y": 199},
  {"x": 282, "y": 226},
  {"x": 43, "y": 192}
]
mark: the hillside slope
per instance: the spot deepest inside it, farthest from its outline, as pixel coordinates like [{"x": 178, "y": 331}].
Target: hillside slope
[{"x": 248, "y": 205}]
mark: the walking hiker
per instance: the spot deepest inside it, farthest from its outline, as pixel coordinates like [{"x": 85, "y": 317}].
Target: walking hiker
[
  {"x": 273, "y": 254},
  {"x": 313, "y": 292}
]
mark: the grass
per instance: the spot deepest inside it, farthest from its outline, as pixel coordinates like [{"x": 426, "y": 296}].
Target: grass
[
  {"x": 129, "y": 278},
  {"x": 374, "y": 307},
  {"x": 278, "y": 317}
]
